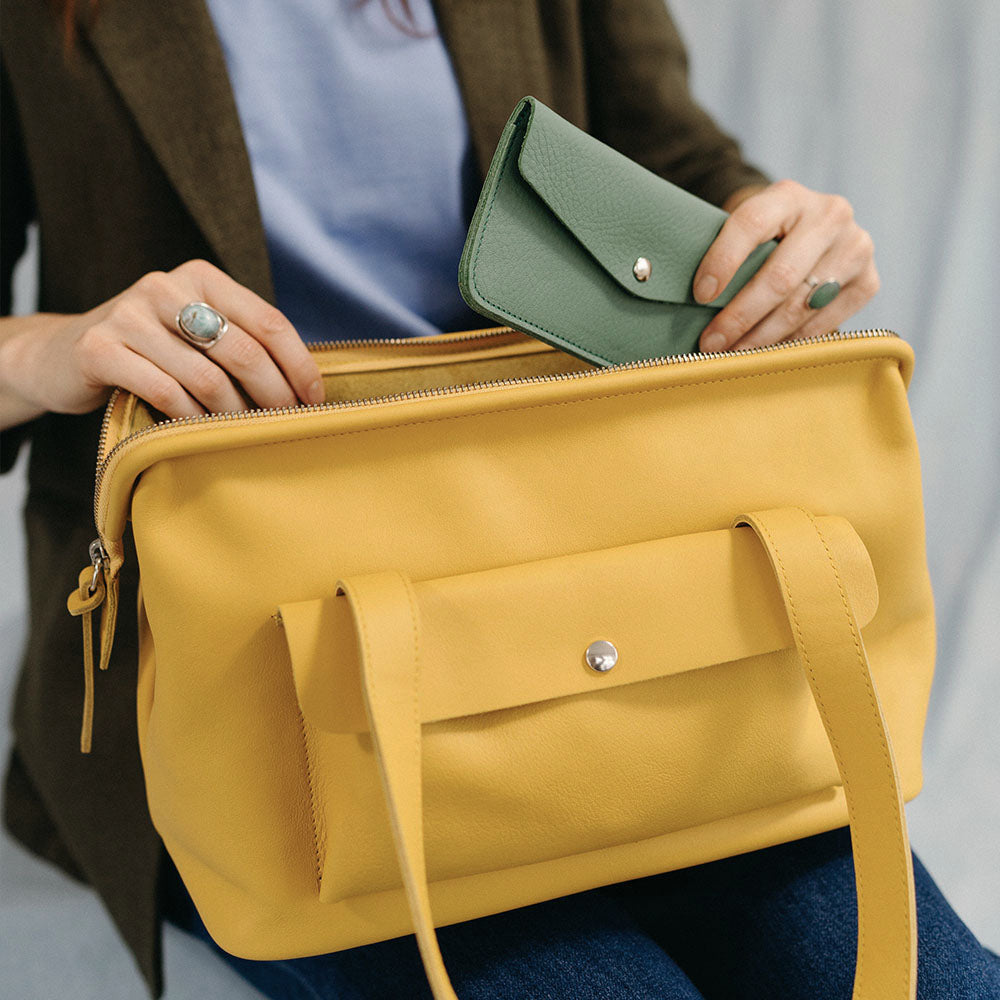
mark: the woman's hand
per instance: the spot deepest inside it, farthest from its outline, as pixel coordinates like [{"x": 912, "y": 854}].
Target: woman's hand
[
  {"x": 69, "y": 363},
  {"x": 819, "y": 239}
]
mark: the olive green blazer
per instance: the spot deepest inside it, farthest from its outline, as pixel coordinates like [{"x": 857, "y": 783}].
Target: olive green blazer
[{"x": 127, "y": 151}]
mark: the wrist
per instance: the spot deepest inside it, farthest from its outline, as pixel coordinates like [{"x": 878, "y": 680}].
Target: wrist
[
  {"x": 740, "y": 195},
  {"x": 20, "y": 340}
]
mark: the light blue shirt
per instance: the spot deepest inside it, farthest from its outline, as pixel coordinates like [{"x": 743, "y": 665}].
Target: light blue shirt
[{"x": 362, "y": 162}]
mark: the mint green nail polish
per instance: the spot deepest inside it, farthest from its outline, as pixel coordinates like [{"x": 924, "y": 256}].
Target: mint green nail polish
[{"x": 823, "y": 295}]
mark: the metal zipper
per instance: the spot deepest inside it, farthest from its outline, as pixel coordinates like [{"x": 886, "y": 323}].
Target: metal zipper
[
  {"x": 102, "y": 440},
  {"x": 315, "y": 346},
  {"x": 448, "y": 390},
  {"x": 326, "y": 345},
  {"x": 99, "y": 557}
]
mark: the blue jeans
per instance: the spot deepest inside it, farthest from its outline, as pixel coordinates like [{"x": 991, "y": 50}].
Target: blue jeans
[{"x": 778, "y": 924}]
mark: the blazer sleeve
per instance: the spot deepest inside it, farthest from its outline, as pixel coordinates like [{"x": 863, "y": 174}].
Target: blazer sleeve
[
  {"x": 641, "y": 104},
  {"x": 17, "y": 210}
]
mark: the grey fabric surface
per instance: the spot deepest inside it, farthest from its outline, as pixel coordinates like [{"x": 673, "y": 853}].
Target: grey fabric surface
[
  {"x": 56, "y": 942},
  {"x": 896, "y": 106}
]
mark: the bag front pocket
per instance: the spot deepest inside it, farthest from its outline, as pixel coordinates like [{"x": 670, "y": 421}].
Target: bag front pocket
[{"x": 529, "y": 754}]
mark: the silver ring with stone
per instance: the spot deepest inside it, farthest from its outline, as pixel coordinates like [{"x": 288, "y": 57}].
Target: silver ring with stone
[
  {"x": 821, "y": 293},
  {"x": 201, "y": 325}
]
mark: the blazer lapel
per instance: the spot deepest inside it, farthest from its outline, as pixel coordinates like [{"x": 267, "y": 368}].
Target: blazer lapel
[
  {"x": 498, "y": 51},
  {"x": 168, "y": 66},
  {"x": 166, "y": 61}
]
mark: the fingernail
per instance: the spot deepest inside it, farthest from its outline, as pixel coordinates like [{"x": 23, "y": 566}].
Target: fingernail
[
  {"x": 713, "y": 343},
  {"x": 704, "y": 290},
  {"x": 316, "y": 392}
]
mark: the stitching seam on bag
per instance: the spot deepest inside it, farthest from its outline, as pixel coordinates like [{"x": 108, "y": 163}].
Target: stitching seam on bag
[
  {"x": 848, "y": 797},
  {"x": 416, "y": 682},
  {"x": 317, "y": 855},
  {"x": 618, "y": 846},
  {"x": 181, "y": 429},
  {"x": 559, "y": 402},
  {"x": 870, "y": 691},
  {"x": 371, "y": 685}
]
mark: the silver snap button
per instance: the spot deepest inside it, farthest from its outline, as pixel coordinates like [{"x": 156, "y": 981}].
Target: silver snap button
[
  {"x": 642, "y": 269},
  {"x": 601, "y": 656}
]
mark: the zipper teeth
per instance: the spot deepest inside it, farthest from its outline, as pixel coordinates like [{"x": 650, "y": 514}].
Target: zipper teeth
[
  {"x": 448, "y": 390},
  {"x": 102, "y": 440},
  {"x": 326, "y": 345},
  {"x": 317, "y": 346}
]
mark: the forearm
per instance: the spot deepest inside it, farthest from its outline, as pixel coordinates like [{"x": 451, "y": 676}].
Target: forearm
[{"x": 21, "y": 339}]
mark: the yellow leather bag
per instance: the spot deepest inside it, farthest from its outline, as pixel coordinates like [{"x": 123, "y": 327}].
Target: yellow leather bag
[{"x": 492, "y": 626}]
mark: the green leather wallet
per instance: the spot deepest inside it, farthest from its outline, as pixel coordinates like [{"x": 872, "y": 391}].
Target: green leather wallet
[{"x": 582, "y": 247}]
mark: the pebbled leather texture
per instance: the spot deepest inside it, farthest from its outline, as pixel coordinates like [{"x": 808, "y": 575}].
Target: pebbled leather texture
[
  {"x": 819, "y": 608},
  {"x": 562, "y": 219},
  {"x": 725, "y": 610},
  {"x": 528, "y": 518}
]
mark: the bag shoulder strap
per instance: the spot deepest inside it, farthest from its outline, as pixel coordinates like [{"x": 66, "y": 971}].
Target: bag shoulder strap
[
  {"x": 835, "y": 663},
  {"x": 833, "y": 658},
  {"x": 386, "y": 620}
]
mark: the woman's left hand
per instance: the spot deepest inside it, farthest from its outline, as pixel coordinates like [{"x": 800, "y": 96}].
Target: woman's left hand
[{"x": 819, "y": 240}]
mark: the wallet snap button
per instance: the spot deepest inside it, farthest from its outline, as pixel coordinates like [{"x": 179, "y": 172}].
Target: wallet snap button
[
  {"x": 601, "y": 655},
  {"x": 642, "y": 269}
]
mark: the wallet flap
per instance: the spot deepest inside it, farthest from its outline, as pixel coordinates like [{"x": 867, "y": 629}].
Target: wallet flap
[
  {"x": 516, "y": 635},
  {"x": 620, "y": 211},
  {"x": 562, "y": 220}
]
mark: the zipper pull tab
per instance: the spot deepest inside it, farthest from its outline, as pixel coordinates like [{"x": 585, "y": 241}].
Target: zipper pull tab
[{"x": 83, "y": 601}]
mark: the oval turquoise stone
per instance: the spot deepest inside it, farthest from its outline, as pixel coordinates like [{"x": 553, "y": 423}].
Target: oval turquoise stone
[
  {"x": 201, "y": 321},
  {"x": 824, "y": 294}
]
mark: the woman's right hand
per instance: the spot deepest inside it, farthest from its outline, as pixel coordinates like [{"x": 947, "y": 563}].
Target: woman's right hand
[{"x": 69, "y": 364}]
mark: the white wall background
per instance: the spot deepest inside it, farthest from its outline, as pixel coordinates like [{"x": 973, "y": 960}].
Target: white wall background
[{"x": 896, "y": 105}]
